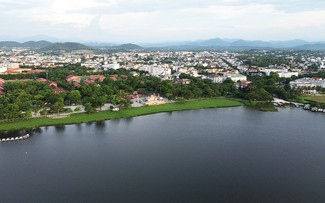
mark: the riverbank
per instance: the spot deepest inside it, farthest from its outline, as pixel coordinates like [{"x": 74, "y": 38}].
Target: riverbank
[
  {"x": 262, "y": 106},
  {"x": 123, "y": 113}
]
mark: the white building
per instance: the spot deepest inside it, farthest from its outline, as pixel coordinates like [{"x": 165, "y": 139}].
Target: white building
[
  {"x": 236, "y": 77},
  {"x": 91, "y": 64},
  {"x": 3, "y": 69},
  {"x": 114, "y": 66},
  {"x": 12, "y": 65},
  {"x": 283, "y": 72},
  {"x": 308, "y": 82},
  {"x": 156, "y": 71},
  {"x": 288, "y": 74},
  {"x": 217, "y": 79}
]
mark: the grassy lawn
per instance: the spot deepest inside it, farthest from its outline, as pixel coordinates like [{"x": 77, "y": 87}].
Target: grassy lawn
[
  {"x": 319, "y": 99},
  {"x": 124, "y": 113}
]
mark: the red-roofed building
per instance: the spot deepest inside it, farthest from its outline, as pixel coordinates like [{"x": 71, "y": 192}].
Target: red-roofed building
[
  {"x": 243, "y": 84},
  {"x": 2, "y": 81},
  {"x": 113, "y": 78},
  {"x": 15, "y": 71},
  {"x": 97, "y": 77},
  {"x": 57, "y": 90},
  {"x": 53, "y": 85},
  {"x": 124, "y": 76},
  {"x": 41, "y": 80},
  {"x": 35, "y": 71},
  {"x": 76, "y": 84},
  {"x": 73, "y": 78},
  {"x": 184, "y": 81},
  {"x": 2, "y": 87},
  {"x": 88, "y": 81}
]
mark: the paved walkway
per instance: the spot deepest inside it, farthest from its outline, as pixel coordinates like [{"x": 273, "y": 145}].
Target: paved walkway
[{"x": 277, "y": 100}]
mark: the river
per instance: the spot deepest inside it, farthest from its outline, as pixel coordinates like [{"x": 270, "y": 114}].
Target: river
[{"x": 212, "y": 155}]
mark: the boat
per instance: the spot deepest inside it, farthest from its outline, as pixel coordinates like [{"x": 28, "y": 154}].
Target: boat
[{"x": 23, "y": 137}]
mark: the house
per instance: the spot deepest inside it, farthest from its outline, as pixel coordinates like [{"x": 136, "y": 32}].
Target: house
[
  {"x": 124, "y": 77},
  {"x": 310, "y": 92},
  {"x": 113, "y": 77},
  {"x": 97, "y": 77},
  {"x": 3, "y": 69},
  {"x": 184, "y": 81},
  {"x": 41, "y": 80},
  {"x": 2, "y": 87},
  {"x": 154, "y": 100},
  {"x": 76, "y": 84},
  {"x": 53, "y": 85},
  {"x": 16, "y": 70},
  {"x": 236, "y": 77},
  {"x": 254, "y": 72},
  {"x": 243, "y": 84},
  {"x": 35, "y": 71},
  {"x": 308, "y": 83},
  {"x": 73, "y": 78},
  {"x": 57, "y": 90},
  {"x": 88, "y": 81}
]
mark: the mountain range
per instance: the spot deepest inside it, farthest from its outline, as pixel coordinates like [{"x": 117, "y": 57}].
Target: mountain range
[{"x": 209, "y": 44}]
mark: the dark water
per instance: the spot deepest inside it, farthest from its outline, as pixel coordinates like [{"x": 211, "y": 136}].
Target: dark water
[{"x": 214, "y": 155}]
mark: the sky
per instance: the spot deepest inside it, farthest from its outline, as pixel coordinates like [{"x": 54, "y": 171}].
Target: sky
[{"x": 152, "y": 21}]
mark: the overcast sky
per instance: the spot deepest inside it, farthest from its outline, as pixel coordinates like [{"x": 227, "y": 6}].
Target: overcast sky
[{"x": 163, "y": 20}]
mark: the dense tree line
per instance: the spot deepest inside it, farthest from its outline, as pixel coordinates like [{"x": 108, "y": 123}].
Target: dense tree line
[
  {"x": 24, "y": 97},
  {"x": 264, "y": 88},
  {"x": 264, "y": 61}
]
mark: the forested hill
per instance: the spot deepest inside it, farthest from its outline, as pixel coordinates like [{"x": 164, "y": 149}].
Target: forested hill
[
  {"x": 129, "y": 46},
  {"x": 29, "y": 44},
  {"x": 67, "y": 46}
]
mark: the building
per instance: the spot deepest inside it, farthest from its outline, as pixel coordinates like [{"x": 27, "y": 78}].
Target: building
[
  {"x": 236, "y": 77},
  {"x": 154, "y": 100},
  {"x": 97, "y": 78},
  {"x": 308, "y": 83},
  {"x": 283, "y": 73},
  {"x": 114, "y": 66},
  {"x": 73, "y": 78},
  {"x": 2, "y": 87},
  {"x": 53, "y": 85},
  {"x": 3, "y": 69},
  {"x": 184, "y": 81}
]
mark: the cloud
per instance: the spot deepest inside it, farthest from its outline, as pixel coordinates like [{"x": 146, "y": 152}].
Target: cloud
[
  {"x": 159, "y": 20},
  {"x": 252, "y": 21}
]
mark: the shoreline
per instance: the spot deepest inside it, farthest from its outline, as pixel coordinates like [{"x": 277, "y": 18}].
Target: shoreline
[{"x": 123, "y": 113}]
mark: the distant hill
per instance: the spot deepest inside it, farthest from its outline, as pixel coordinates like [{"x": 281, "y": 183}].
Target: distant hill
[
  {"x": 10, "y": 44},
  {"x": 209, "y": 44},
  {"x": 67, "y": 46},
  {"x": 36, "y": 44},
  {"x": 212, "y": 42},
  {"x": 129, "y": 46},
  {"x": 217, "y": 43},
  {"x": 312, "y": 47},
  {"x": 29, "y": 44},
  {"x": 254, "y": 43}
]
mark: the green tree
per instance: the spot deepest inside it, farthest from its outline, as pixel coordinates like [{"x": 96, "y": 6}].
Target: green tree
[
  {"x": 57, "y": 106},
  {"x": 74, "y": 97},
  {"x": 89, "y": 108}
]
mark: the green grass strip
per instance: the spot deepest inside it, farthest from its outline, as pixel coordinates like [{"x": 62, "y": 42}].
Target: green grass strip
[
  {"x": 124, "y": 113},
  {"x": 319, "y": 99}
]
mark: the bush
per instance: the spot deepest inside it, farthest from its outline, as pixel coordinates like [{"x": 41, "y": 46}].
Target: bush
[
  {"x": 77, "y": 109},
  {"x": 67, "y": 110},
  {"x": 44, "y": 112}
]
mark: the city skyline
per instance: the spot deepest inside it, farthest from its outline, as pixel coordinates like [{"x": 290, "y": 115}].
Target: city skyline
[{"x": 147, "y": 21}]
